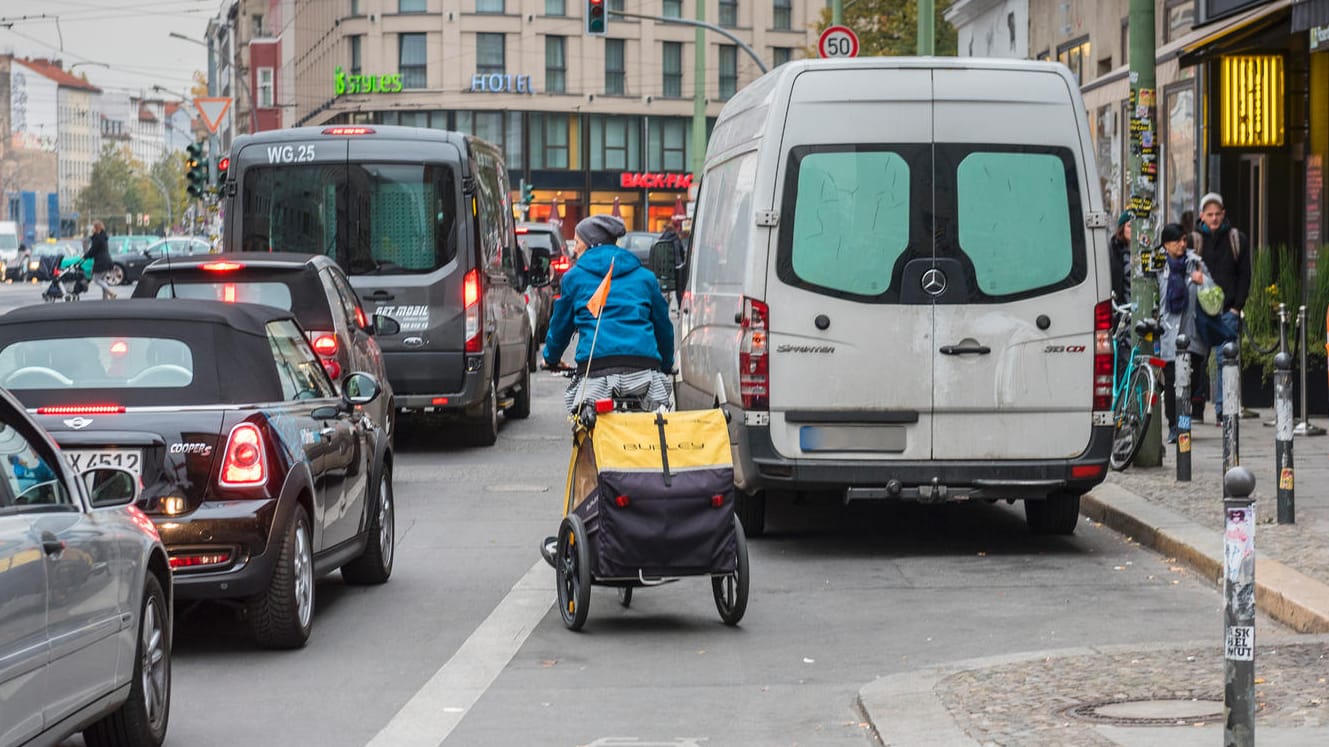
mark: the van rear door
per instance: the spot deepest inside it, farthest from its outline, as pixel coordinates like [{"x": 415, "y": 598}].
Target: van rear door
[
  {"x": 1013, "y": 353},
  {"x": 850, "y": 350}
]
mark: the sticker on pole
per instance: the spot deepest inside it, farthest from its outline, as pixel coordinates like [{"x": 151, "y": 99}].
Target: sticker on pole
[
  {"x": 836, "y": 42},
  {"x": 212, "y": 109},
  {"x": 1239, "y": 643}
]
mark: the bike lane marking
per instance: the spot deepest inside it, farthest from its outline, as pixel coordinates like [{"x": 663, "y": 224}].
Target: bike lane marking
[{"x": 441, "y": 703}]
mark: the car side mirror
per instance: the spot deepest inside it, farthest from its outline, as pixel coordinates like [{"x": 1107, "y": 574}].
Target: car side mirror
[
  {"x": 359, "y": 388},
  {"x": 385, "y": 325},
  {"x": 110, "y": 486}
]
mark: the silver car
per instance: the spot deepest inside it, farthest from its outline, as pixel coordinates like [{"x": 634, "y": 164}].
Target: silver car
[{"x": 85, "y": 599}]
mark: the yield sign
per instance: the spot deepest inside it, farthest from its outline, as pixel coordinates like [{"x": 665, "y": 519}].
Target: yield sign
[{"x": 212, "y": 109}]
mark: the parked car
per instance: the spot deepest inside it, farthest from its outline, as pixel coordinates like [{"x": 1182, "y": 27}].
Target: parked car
[
  {"x": 130, "y": 266},
  {"x": 259, "y": 477},
  {"x": 311, "y": 286},
  {"x": 920, "y": 310},
  {"x": 547, "y": 246},
  {"x": 125, "y": 249},
  {"x": 639, "y": 243},
  {"x": 85, "y": 596}
]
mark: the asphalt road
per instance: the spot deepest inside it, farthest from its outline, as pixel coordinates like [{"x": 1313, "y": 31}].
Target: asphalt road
[{"x": 464, "y": 643}]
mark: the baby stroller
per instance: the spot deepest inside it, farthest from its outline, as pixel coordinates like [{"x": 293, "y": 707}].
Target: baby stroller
[
  {"x": 649, "y": 499},
  {"x": 68, "y": 284}
]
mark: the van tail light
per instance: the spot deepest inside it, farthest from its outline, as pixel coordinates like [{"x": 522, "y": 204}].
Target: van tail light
[
  {"x": 560, "y": 264},
  {"x": 1103, "y": 359},
  {"x": 471, "y": 297},
  {"x": 753, "y": 358},
  {"x": 245, "y": 464}
]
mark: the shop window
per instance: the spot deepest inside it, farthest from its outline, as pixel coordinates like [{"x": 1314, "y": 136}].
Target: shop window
[
  {"x": 489, "y": 6},
  {"x": 411, "y": 6},
  {"x": 728, "y": 70},
  {"x": 671, "y": 8},
  {"x": 411, "y": 60},
  {"x": 556, "y": 7},
  {"x": 667, "y": 144},
  {"x": 782, "y": 19},
  {"x": 672, "y": 65},
  {"x": 1074, "y": 56},
  {"x": 550, "y": 141},
  {"x": 556, "y": 64},
  {"x": 490, "y": 53},
  {"x": 615, "y": 67},
  {"x": 781, "y": 55},
  {"x": 615, "y": 143},
  {"x": 357, "y": 53},
  {"x": 729, "y": 13}
]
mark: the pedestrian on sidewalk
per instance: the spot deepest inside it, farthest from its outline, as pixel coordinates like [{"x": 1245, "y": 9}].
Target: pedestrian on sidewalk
[
  {"x": 1227, "y": 256},
  {"x": 1182, "y": 277},
  {"x": 1119, "y": 249},
  {"x": 99, "y": 250}
]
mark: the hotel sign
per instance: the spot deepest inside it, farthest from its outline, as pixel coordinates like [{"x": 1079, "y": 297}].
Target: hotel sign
[
  {"x": 501, "y": 83},
  {"x": 649, "y": 180},
  {"x": 344, "y": 83}
]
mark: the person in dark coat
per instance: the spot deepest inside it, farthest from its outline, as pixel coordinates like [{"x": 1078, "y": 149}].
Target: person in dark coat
[
  {"x": 680, "y": 259},
  {"x": 1120, "y": 252},
  {"x": 99, "y": 250},
  {"x": 1227, "y": 254}
]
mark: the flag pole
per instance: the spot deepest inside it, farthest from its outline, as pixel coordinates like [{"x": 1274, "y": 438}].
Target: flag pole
[{"x": 581, "y": 389}]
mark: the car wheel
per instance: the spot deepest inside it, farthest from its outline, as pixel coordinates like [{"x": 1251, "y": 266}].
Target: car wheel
[
  {"x": 141, "y": 719},
  {"x": 521, "y": 399},
  {"x": 1056, "y": 514},
  {"x": 117, "y": 275},
  {"x": 283, "y": 616},
  {"x": 374, "y": 566},
  {"x": 484, "y": 429}
]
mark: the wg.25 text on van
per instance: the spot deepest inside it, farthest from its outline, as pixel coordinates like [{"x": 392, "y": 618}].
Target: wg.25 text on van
[
  {"x": 897, "y": 290},
  {"x": 421, "y": 222}
]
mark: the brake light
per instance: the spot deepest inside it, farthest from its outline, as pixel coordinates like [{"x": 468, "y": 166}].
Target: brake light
[
  {"x": 228, "y": 293},
  {"x": 471, "y": 298},
  {"x": 360, "y": 317},
  {"x": 522, "y": 230},
  {"x": 1103, "y": 357},
  {"x": 753, "y": 360},
  {"x": 561, "y": 264},
  {"x": 81, "y": 410},
  {"x": 325, "y": 345},
  {"x": 119, "y": 347},
  {"x": 243, "y": 466},
  {"x": 348, "y": 130},
  {"x": 332, "y": 367},
  {"x": 195, "y": 559},
  {"x": 221, "y": 266}
]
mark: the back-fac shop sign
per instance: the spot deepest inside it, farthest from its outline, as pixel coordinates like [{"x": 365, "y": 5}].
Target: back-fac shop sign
[{"x": 648, "y": 180}]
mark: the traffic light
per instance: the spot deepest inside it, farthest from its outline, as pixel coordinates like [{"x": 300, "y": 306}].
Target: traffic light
[
  {"x": 597, "y": 20},
  {"x": 223, "y": 164},
  {"x": 196, "y": 169},
  {"x": 527, "y": 192}
]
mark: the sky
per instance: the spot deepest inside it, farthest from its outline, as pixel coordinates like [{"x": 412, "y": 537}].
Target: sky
[{"x": 129, "y": 38}]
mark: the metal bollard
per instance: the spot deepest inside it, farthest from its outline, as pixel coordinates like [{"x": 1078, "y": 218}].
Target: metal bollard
[
  {"x": 1283, "y": 422},
  {"x": 1305, "y": 427},
  {"x": 1182, "y": 370},
  {"x": 1239, "y": 615},
  {"x": 1231, "y": 381}
]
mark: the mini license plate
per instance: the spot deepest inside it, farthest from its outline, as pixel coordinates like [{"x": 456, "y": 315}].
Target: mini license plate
[{"x": 83, "y": 460}]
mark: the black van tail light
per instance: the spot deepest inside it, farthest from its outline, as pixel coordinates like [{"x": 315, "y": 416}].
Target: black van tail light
[
  {"x": 1102, "y": 361},
  {"x": 754, "y": 381},
  {"x": 471, "y": 298},
  {"x": 244, "y": 465}
]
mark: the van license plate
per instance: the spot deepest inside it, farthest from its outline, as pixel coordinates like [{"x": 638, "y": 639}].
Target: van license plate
[
  {"x": 127, "y": 459},
  {"x": 860, "y": 438}
]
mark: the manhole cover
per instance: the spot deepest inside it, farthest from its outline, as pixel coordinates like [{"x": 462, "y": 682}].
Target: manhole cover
[{"x": 1149, "y": 711}]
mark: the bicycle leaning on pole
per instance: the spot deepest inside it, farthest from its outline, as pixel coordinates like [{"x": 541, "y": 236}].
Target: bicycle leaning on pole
[{"x": 1135, "y": 387}]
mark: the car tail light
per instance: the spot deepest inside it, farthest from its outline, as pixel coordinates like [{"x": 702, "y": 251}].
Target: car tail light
[
  {"x": 471, "y": 298},
  {"x": 522, "y": 230},
  {"x": 753, "y": 360},
  {"x": 119, "y": 347},
  {"x": 81, "y": 410},
  {"x": 221, "y": 266},
  {"x": 360, "y": 317},
  {"x": 332, "y": 367},
  {"x": 195, "y": 559},
  {"x": 1086, "y": 471},
  {"x": 325, "y": 344},
  {"x": 348, "y": 130},
  {"x": 228, "y": 293},
  {"x": 244, "y": 464},
  {"x": 1103, "y": 357},
  {"x": 560, "y": 264}
]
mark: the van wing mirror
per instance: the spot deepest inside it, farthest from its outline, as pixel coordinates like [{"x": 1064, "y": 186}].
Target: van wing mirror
[{"x": 662, "y": 264}]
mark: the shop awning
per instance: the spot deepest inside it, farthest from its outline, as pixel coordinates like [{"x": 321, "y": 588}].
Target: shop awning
[
  {"x": 1212, "y": 38},
  {"x": 1309, "y": 13}
]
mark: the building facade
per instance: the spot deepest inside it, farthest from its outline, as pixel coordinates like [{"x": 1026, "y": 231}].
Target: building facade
[
  {"x": 593, "y": 124},
  {"x": 991, "y": 28}
]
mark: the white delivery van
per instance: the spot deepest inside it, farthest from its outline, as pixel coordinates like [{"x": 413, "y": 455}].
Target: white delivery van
[{"x": 899, "y": 286}]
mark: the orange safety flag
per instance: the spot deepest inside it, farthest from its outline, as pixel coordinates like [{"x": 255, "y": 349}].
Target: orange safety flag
[{"x": 601, "y": 295}]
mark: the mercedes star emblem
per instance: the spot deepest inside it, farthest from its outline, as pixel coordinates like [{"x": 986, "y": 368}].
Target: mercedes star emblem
[
  {"x": 78, "y": 423},
  {"x": 934, "y": 282}
]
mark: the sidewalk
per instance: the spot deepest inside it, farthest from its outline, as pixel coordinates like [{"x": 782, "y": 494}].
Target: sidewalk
[{"x": 1168, "y": 694}]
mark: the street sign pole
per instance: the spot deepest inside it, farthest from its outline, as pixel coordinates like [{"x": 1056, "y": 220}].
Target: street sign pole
[{"x": 927, "y": 36}]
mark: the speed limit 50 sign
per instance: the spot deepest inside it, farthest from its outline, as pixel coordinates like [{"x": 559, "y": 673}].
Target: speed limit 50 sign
[{"x": 838, "y": 41}]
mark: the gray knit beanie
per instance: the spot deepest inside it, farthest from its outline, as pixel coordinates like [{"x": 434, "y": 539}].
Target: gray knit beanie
[{"x": 600, "y": 229}]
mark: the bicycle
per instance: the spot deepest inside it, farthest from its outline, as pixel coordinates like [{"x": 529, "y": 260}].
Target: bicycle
[{"x": 1134, "y": 390}]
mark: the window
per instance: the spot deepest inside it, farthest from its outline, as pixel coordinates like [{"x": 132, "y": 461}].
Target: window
[
  {"x": 1126, "y": 40},
  {"x": 1180, "y": 18},
  {"x": 264, "y": 88},
  {"x": 29, "y": 479},
  {"x": 672, "y": 64},
  {"x": 268, "y": 294},
  {"x": 556, "y": 7},
  {"x": 356, "y": 10},
  {"x": 721, "y": 237},
  {"x": 1179, "y": 150},
  {"x": 671, "y": 8},
  {"x": 97, "y": 363},
  {"x": 1014, "y": 217},
  {"x": 615, "y": 143},
  {"x": 728, "y": 70},
  {"x": 490, "y": 51},
  {"x": 411, "y": 60},
  {"x": 615, "y": 67},
  {"x": 851, "y": 219},
  {"x": 549, "y": 141},
  {"x": 781, "y": 55},
  {"x": 488, "y": 6},
  {"x": 1074, "y": 56},
  {"x": 667, "y": 144},
  {"x": 357, "y": 53},
  {"x": 782, "y": 19},
  {"x": 615, "y": 4},
  {"x": 301, "y": 374},
  {"x": 728, "y": 12},
  {"x": 411, "y": 6},
  {"x": 556, "y": 64},
  {"x": 257, "y": 27}
]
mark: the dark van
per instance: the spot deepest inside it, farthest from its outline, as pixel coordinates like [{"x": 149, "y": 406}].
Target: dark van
[{"x": 421, "y": 222}]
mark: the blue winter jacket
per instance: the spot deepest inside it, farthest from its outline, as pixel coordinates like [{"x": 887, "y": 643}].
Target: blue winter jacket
[{"x": 634, "y": 323}]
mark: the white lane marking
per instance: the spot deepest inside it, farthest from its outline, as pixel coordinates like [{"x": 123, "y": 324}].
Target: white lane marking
[{"x": 437, "y": 707}]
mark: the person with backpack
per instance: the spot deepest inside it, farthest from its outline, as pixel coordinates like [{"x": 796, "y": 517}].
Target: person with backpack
[{"x": 1225, "y": 253}]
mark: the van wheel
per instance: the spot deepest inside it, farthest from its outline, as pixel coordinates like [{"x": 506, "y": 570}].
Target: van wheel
[
  {"x": 521, "y": 399},
  {"x": 1056, "y": 514},
  {"x": 751, "y": 509},
  {"x": 484, "y": 429}
]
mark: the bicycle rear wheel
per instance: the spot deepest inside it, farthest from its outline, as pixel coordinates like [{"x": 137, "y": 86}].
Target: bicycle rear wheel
[{"x": 1131, "y": 417}]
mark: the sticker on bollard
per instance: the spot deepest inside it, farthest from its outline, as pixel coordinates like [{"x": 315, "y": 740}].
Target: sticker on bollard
[
  {"x": 1184, "y": 422},
  {"x": 1285, "y": 479},
  {"x": 1240, "y": 643},
  {"x": 1184, "y": 442}
]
